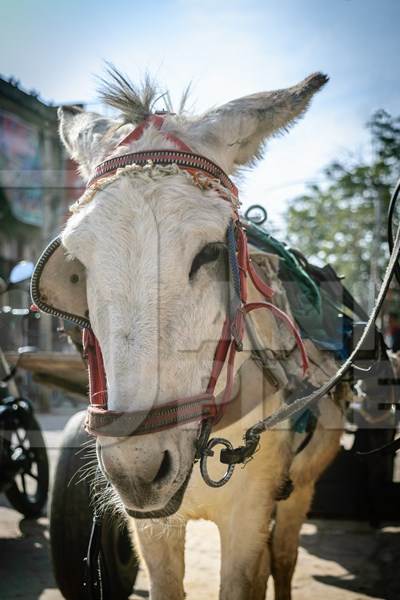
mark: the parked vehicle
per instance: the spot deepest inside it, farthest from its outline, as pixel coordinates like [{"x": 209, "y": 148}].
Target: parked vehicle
[
  {"x": 71, "y": 516},
  {"x": 24, "y": 468}
]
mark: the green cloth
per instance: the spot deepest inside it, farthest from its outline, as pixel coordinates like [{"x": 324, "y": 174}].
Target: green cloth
[{"x": 303, "y": 293}]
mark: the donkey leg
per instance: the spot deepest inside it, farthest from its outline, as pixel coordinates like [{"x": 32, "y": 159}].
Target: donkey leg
[
  {"x": 162, "y": 549},
  {"x": 245, "y": 556},
  {"x": 290, "y": 515}
]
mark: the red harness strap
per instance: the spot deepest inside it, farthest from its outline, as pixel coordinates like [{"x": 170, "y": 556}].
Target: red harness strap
[
  {"x": 97, "y": 378},
  {"x": 246, "y": 267},
  {"x": 183, "y": 156},
  {"x": 157, "y": 121},
  {"x": 101, "y": 421}
]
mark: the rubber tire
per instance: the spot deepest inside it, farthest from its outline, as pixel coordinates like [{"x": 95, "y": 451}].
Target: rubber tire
[
  {"x": 71, "y": 522},
  {"x": 16, "y": 498}
]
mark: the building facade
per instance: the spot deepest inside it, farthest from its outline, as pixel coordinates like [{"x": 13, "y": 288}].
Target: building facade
[{"x": 37, "y": 182}]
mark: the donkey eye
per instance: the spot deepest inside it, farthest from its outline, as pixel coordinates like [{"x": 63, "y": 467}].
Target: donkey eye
[{"x": 208, "y": 254}]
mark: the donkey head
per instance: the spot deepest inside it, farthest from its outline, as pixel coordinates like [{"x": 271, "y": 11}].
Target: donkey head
[{"x": 154, "y": 248}]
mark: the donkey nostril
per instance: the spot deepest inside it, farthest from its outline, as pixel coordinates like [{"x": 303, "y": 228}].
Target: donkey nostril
[{"x": 164, "y": 467}]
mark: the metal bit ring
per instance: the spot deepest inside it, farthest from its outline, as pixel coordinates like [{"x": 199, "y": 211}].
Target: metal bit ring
[{"x": 207, "y": 452}]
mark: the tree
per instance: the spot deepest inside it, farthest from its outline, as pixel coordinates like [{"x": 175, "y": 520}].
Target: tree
[{"x": 343, "y": 221}]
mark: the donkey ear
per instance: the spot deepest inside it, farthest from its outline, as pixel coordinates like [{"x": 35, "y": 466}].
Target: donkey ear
[
  {"x": 240, "y": 128},
  {"x": 87, "y": 136}
]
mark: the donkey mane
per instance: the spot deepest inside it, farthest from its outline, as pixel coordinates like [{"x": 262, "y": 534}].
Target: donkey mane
[{"x": 135, "y": 102}]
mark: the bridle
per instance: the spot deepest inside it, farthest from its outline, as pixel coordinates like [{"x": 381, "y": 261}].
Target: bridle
[{"x": 203, "y": 407}]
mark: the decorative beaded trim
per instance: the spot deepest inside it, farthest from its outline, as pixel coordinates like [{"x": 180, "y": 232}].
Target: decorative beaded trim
[{"x": 153, "y": 171}]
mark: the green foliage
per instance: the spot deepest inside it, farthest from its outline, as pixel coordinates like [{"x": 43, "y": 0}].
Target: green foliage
[{"x": 338, "y": 222}]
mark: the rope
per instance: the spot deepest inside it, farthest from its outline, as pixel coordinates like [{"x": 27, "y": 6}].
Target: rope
[{"x": 252, "y": 435}]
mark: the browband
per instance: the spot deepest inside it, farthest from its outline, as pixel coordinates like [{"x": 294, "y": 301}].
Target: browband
[{"x": 186, "y": 160}]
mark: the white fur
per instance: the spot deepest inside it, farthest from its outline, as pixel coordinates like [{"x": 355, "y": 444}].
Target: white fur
[{"x": 158, "y": 330}]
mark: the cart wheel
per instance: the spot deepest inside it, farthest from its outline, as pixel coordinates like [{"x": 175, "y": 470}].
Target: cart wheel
[
  {"x": 28, "y": 492},
  {"x": 71, "y": 521}
]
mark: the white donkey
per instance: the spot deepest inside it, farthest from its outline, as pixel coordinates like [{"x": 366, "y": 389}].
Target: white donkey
[{"x": 153, "y": 244}]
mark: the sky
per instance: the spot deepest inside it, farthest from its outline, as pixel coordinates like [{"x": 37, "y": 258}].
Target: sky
[{"x": 227, "y": 49}]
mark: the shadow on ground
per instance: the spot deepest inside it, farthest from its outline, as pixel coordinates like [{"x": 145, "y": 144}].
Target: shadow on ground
[
  {"x": 25, "y": 567},
  {"x": 368, "y": 560}
]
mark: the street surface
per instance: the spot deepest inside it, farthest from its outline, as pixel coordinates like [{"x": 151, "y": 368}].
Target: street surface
[{"x": 337, "y": 560}]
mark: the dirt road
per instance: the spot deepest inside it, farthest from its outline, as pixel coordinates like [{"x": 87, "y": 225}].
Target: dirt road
[{"x": 337, "y": 560}]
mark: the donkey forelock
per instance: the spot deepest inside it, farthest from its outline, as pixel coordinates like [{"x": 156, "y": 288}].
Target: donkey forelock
[{"x": 136, "y": 102}]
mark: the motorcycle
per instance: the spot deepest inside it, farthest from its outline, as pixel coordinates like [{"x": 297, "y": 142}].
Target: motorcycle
[{"x": 24, "y": 467}]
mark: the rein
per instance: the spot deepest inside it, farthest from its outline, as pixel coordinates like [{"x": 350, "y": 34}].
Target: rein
[{"x": 203, "y": 407}]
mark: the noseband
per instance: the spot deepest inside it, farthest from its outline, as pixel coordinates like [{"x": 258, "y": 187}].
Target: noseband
[{"x": 204, "y": 407}]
